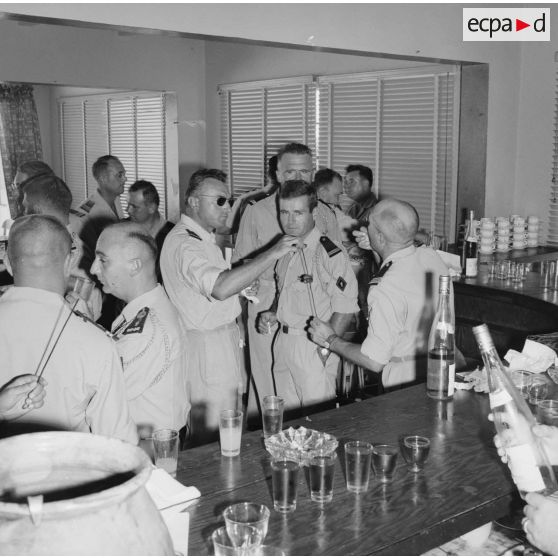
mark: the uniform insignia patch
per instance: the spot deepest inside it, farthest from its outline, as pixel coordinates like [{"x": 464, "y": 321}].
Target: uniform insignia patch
[
  {"x": 329, "y": 246},
  {"x": 138, "y": 323},
  {"x": 193, "y": 234},
  {"x": 77, "y": 213},
  {"x": 87, "y": 206},
  {"x": 341, "y": 283}
]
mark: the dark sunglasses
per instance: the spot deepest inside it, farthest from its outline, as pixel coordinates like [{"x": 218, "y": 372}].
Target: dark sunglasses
[{"x": 219, "y": 200}]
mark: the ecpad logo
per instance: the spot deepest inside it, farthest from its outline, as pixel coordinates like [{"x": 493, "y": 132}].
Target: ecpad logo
[{"x": 506, "y": 24}]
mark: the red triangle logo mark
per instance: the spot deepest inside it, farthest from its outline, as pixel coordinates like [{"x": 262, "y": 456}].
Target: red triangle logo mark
[{"x": 519, "y": 25}]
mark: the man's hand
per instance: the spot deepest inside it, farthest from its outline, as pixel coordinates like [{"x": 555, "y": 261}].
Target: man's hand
[
  {"x": 20, "y": 395},
  {"x": 539, "y": 524},
  {"x": 319, "y": 331},
  {"x": 362, "y": 238},
  {"x": 285, "y": 245},
  {"x": 266, "y": 322}
]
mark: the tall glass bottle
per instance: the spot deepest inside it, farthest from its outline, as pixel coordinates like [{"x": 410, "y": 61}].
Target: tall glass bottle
[
  {"x": 527, "y": 459},
  {"x": 470, "y": 248},
  {"x": 441, "y": 346}
]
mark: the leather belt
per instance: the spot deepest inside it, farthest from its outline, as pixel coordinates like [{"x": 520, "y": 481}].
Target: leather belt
[{"x": 291, "y": 330}]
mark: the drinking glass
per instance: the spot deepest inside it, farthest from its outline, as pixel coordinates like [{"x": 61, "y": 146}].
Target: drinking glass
[
  {"x": 415, "y": 451},
  {"x": 272, "y": 411},
  {"x": 165, "y": 450},
  {"x": 357, "y": 464},
  {"x": 322, "y": 468},
  {"x": 547, "y": 412},
  {"x": 230, "y": 432},
  {"x": 384, "y": 461},
  {"x": 223, "y": 545},
  {"x": 538, "y": 390},
  {"x": 246, "y": 523},
  {"x": 492, "y": 264},
  {"x": 284, "y": 479},
  {"x": 521, "y": 379}
]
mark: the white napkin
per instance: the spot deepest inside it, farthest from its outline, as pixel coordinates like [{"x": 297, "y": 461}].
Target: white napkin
[
  {"x": 476, "y": 379},
  {"x": 535, "y": 357},
  {"x": 167, "y": 492},
  {"x": 453, "y": 262}
]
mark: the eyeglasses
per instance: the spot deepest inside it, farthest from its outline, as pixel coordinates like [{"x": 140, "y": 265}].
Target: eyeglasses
[{"x": 219, "y": 200}]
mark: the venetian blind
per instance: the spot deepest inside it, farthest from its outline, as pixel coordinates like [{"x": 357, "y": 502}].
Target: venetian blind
[
  {"x": 552, "y": 238},
  {"x": 402, "y": 124},
  {"x": 257, "y": 118},
  {"x": 131, "y": 126}
]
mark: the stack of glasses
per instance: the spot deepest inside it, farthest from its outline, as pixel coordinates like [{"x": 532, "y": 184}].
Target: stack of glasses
[
  {"x": 532, "y": 231},
  {"x": 518, "y": 237},
  {"x": 503, "y": 236},
  {"x": 487, "y": 238}
]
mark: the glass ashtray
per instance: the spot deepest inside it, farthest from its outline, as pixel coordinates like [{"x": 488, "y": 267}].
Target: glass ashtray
[{"x": 300, "y": 444}]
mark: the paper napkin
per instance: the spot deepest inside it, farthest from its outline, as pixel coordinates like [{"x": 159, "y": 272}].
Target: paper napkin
[
  {"x": 167, "y": 491},
  {"x": 535, "y": 357}
]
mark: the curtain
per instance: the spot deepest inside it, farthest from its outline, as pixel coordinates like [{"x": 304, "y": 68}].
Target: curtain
[{"x": 20, "y": 138}]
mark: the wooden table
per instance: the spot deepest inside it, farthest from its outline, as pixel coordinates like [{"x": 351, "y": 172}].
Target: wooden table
[{"x": 463, "y": 485}]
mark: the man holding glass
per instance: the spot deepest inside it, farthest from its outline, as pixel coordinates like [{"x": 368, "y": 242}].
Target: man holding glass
[{"x": 205, "y": 290}]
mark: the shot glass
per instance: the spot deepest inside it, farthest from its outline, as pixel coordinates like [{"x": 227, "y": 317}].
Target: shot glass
[
  {"x": 357, "y": 465},
  {"x": 538, "y": 390},
  {"x": 272, "y": 411},
  {"x": 322, "y": 469},
  {"x": 384, "y": 461},
  {"x": 223, "y": 545},
  {"x": 547, "y": 412},
  {"x": 165, "y": 450},
  {"x": 522, "y": 379},
  {"x": 230, "y": 432},
  {"x": 415, "y": 451},
  {"x": 492, "y": 264},
  {"x": 284, "y": 478},
  {"x": 246, "y": 523}
]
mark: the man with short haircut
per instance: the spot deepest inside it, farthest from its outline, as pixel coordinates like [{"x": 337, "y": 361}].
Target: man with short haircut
[
  {"x": 25, "y": 171},
  {"x": 143, "y": 208},
  {"x": 318, "y": 279},
  {"x": 205, "y": 291},
  {"x": 148, "y": 334},
  {"x": 103, "y": 206},
  {"x": 48, "y": 195},
  {"x": 401, "y": 308},
  {"x": 259, "y": 227},
  {"x": 37, "y": 329}
]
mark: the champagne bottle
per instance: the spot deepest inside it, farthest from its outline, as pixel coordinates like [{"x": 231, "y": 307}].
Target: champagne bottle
[
  {"x": 470, "y": 248},
  {"x": 441, "y": 346},
  {"x": 527, "y": 459}
]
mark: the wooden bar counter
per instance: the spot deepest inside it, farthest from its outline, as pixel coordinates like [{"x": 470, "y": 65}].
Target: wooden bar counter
[{"x": 463, "y": 485}]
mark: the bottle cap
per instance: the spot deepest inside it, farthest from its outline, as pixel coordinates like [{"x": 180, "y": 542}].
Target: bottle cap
[
  {"x": 444, "y": 285},
  {"x": 483, "y": 337}
]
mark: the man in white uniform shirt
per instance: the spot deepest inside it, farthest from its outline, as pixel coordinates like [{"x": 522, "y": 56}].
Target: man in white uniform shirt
[
  {"x": 86, "y": 387},
  {"x": 148, "y": 334},
  {"x": 400, "y": 300},
  {"x": 205, "y": 290}
]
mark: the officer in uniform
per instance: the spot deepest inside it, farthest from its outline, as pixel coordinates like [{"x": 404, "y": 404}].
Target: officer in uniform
[
  {"x": 259, "y": 227},
  {"x": 148, "y": 334},
  {"x": 38, "y": 333},
  {"x": 49, "y": 195},
  {"x": 205, "y": 291},
  {"x": 399, "y": 301},
  {"x": 316, "y": 281}
]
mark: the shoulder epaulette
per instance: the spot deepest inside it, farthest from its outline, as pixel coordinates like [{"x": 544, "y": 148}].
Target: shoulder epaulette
[
  {"x": 193, "y": 234},
  {"x": 89, "y": 320},
  {"x": 77, "y": 213},
  {"x": 138, "y": 323},
  {"x": 329, "y": 246},
  {"x": 87, "y": 205}
]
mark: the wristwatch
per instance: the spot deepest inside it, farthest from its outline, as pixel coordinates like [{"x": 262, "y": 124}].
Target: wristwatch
[{"x": 329, "y": 340}]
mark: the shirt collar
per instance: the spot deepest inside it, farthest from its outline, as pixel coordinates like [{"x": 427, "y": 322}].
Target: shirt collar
[
  {"x": 189, "y": 223},
  {"x": 399, "y": 254},
  {"x": 32, "y": 293},
  {"x": 143, "y": 300}
]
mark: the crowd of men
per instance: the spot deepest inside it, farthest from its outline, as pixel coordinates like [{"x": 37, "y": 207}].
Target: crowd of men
[{"x": 132, "y": 324}]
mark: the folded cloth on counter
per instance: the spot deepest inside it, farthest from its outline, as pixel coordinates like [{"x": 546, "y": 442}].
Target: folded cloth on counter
[
  {"x": 476, "y": 379},
  {"x": 453, "y": 262},
  {"x": 535, "y": 357},
  {"x": 167, "y": 491}
]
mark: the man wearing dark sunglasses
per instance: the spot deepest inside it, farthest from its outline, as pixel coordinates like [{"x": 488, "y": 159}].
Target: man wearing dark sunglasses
[{"x": 205, "y": 291}]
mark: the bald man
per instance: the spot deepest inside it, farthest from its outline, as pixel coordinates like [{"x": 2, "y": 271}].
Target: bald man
[
  {"x": 147, "y": 332},
  {"x": 86, "y": 388},
  {"x": 402, "y": 300}
]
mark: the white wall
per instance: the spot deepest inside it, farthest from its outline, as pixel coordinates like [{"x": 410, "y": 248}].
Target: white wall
[{"x": 518, "y": 72}]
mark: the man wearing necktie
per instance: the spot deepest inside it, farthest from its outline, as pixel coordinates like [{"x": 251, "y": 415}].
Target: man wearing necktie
[{"x": 401, "y": 300}]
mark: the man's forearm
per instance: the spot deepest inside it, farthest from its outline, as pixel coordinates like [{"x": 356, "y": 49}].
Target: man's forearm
[
  {"x": 351, "y": 351},
  {"x": 340, "y": 322}
]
